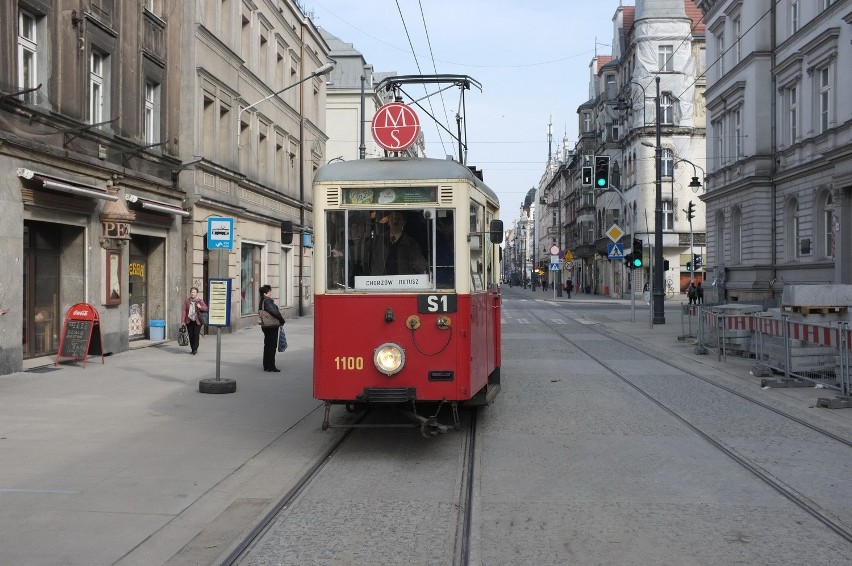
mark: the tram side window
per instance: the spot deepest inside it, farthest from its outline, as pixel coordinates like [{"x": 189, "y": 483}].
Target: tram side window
[
  {"x": 335, "y": 245},
  {"x": 444, "y": 250},
  {"x": 477, "y": 215}
]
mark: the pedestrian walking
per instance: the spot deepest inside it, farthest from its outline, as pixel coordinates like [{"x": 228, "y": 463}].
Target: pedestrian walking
[
  {"x": 569, "y": 285},
  {"x": 191, "y": 316},
  {"x": 692, "y": 294},
  {"x": 270, "y": 331},
  {"x": 699, "y": 294}
]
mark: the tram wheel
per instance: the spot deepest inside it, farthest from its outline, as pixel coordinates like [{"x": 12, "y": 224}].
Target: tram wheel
[{"x": 217, "y": 386}]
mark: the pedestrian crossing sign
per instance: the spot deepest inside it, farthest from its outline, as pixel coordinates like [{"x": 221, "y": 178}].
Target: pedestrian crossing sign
[
  {"x": 615, "y": 251},
  {"x": 554, "y": 266}
]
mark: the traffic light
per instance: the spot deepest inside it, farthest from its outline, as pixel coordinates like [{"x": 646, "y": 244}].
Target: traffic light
[
  {"x": 587, "y": 176},
  {"x": 690, "y": 211},
  {"x": 696, "y": 261},
  {"x": 637, "y": 253},
  {"x": 602, "y": 171},
  {"x": 666, "y": 265},
  {"x": 628, "y": 260}
]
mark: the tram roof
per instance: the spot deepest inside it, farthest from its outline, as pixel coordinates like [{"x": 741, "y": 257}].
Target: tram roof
[{"x": 407, "y": 168}]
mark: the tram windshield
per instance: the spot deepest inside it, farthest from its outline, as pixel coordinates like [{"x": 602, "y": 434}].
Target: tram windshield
[{"x": 390, "y": 250}]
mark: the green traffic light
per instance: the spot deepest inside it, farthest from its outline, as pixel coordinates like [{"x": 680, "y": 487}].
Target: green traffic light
[
  {"x": 637, "y": 262},
  {"x": 601, "y": 182}
]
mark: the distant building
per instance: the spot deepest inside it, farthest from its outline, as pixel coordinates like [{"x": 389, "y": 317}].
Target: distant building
[
  {"x": 779, "y": 194},
  {"x": 655, "y": 39}
]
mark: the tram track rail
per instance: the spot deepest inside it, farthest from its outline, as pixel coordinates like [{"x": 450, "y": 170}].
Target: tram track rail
[
  {"x": 769, "y": 479},
  {"x": 464, "y": 526}
]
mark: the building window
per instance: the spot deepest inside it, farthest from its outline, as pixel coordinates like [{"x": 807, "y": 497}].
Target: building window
[
  {"x": 738, "y": 134},
  {"x": 824, "y": 99},
  {"x": 794, "y": 16},
  {"x": 826, "y": 228},
  {"x": 587, "y": 122},
  {"x": 27, "y": 53},
  {"x": 98, "y": 87},
  {"x": 152, "y": 112},
  {"x": 737, "y": 25},
  {"x": 250, "y": 276},
  {"x": 736, "y": 235},
  {"x": 825, "y": 4},
  {"x": 667, "y": 163},
  {"x": 610, "y": 87},
  {"x": 668, "y": 215},
  {"x": 720, "y": 238},
  {"x": 719, "y": 130},
  {"x": 666, "y": 108},
  {"x": 795, "y": 241},
  {"x": 720, "y": 53},
  {"x": 665, "y": 59},
  {"x": 793, "y": 113}
]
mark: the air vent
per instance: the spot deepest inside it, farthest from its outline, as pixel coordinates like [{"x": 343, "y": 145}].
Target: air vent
[
  {"x": 333, "y": 199},
  {"x": 445, "y": 195},
  {"x": 388, "y": 394}
]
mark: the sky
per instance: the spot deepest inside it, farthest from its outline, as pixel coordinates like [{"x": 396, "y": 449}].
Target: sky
[{"x": 531, "y": 57}]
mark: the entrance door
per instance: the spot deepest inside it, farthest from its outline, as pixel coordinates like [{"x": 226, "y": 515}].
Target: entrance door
[
  {"x": 42, "y": 243},
  {"x": 138, "y": 287}
]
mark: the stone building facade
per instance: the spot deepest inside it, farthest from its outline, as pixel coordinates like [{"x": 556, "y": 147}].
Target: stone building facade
[
  {"x": 87, "y": 149},
  {"x": 779, "y": 195}
]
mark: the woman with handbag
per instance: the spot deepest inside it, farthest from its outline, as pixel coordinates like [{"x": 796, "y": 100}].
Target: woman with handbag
[
  {"x": 270, "y": 321},
  {"x": 190, "y": 315}
]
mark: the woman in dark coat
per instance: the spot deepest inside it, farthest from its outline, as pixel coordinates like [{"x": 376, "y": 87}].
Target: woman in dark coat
[
  {"x": 189, "y": 316},
  {"x": 270, "y": 333}
]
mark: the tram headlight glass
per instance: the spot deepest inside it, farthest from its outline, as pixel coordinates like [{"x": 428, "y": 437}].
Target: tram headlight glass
[{"x": 389, "y": 358}]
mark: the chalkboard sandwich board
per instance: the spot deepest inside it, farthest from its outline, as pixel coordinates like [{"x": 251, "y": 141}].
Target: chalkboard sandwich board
[{"x": 81, "y": 334}]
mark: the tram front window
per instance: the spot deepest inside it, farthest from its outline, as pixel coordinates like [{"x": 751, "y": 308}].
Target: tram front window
[{"x": 390, "y": 250}]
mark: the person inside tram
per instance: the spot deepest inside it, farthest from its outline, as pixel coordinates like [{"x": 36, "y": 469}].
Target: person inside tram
[
  {"x": 395, "y": 252},
  {"x": 444, "y": 251}
]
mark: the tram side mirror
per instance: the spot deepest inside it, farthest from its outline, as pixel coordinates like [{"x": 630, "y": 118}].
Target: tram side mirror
[{"x": 496, "y": 231}]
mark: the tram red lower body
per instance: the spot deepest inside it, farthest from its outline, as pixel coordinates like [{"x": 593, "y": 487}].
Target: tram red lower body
[{"x": 440, "y": 364}]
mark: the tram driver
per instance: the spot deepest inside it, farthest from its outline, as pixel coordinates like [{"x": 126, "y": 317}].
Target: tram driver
[{"x": 395, "y": 252}]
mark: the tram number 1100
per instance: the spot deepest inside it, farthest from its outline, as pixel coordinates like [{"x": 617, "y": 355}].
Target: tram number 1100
[{"x": 349, "y": 363}]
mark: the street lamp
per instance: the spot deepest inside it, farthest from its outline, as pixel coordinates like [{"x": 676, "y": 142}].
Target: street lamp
[
  {"x": 659, "y": 316},
  {"x": 324, "y": 70}
]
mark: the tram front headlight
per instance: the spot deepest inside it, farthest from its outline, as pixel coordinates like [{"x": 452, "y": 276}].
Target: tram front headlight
[{"x": 389, "y": 358}]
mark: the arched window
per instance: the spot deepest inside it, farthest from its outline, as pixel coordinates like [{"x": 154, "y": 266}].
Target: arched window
[
  {"x": 720, "y": 238},
  {"x": 736, "y": 235},
  {"x": 794, "y": 235},
  {"x": 825, "y": 225}
]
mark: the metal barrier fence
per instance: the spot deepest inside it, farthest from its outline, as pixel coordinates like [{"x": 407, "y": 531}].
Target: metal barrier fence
[{"x": 806, "y": 354}]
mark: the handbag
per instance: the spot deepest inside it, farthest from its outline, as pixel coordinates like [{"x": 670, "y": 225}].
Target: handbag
[
  {"x": 266, "y": 318},
  {"x": 282, "y": 339},
  {"x": 183, "y": 336},
  {"x": 203, "y": 318}
]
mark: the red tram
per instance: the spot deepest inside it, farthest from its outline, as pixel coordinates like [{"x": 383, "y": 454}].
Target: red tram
[{"x": 406, "y": 285}]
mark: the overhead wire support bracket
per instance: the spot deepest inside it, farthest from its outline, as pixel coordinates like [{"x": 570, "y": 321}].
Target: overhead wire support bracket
[
  {"x": 19, "y": 93},
  {"x": 463, "y": 82},
  {"x": 128, "y": 154},
  {"x": 77, "y": 130}
]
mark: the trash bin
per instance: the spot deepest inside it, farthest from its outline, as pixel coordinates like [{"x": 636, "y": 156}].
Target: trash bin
[{"x": 157, "y": 330}]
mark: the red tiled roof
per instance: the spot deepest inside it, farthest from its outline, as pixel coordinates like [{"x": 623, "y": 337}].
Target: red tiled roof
[
  {"x": 603, "y": 60},
  {"x": 694, "y": 14},
  {"x": 628, "y": 15}
]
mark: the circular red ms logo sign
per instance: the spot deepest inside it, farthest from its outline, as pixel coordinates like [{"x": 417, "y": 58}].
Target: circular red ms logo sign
[{"x": 395, "y": 126}]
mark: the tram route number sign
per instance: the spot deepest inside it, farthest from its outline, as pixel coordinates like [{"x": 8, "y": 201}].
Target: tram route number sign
[{"x": 444, "y": 302}]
